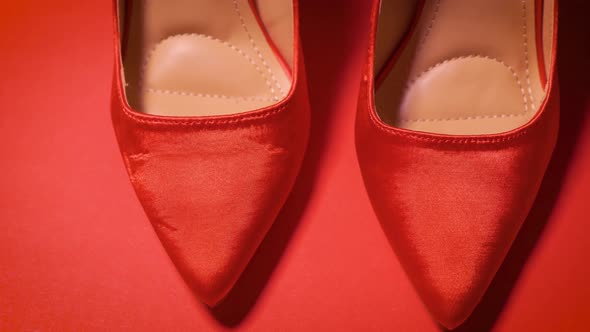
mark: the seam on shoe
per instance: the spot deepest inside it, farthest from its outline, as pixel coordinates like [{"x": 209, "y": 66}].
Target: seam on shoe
[
  {"x": 175, "y": 121},
  {"x": 200, "y": 35},
  {"x": 463, "y": 57},
  {"x": 208, "y": 37},
  {"x": 257, "y": 50},
  {"x": 467, "y": 118},
  {"x": 526, "y": 52},
  {"x": 455, "y": 140},
  {"x": 431, "y": 25},
  {"x": 206, "y": 95}
]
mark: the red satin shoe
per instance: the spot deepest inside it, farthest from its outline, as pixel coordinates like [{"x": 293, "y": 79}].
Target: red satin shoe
[
  {"x": 211, "y": 112},
  {"x": 454, "y": 134}
]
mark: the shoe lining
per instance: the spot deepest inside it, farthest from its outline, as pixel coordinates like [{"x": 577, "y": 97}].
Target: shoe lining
[
  {"x": 206, "y": 57},
  {"x": 470, "y": 67}
]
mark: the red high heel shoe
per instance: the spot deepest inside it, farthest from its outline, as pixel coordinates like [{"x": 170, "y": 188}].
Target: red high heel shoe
[
  {"x": 454, "y": 134},
  {"x": 211, "y": 124}
]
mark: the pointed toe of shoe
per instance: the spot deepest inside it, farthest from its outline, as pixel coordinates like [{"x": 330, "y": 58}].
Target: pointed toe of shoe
[
  {"x": 212, "y": 260},
  {"x": 211, "y": 196},
  {"x": 210, "y": 288},
  {"x": 450, "y": 311},
  {"x": 451, "y": 243},
  {"x": 451, "y": 232},
  {"x": 211, "y": 255},
  {"x": 212, "y": 187},
  {"x": 451, "y": 264},
  {"x": 451, "y": 315},
  {"x": 212, "y": 202},
  {"x": 451, "y": 221},
  {"x": 451, "y": 207}
]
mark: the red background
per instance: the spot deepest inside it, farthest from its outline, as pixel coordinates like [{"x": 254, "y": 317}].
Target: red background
[{"x": 77, "y": 252}]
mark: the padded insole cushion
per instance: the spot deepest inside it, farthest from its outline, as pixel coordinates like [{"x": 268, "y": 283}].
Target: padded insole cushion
[
  {"x": 206, "y": 57},
  {"x": 470, "y": 67}
]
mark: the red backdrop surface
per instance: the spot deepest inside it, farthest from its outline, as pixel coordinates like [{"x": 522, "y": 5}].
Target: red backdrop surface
[{"x": 78, "y": 254}]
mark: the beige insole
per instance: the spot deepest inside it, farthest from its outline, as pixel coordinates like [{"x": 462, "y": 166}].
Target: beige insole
[
  {"x": 470, "y": 67},
  {"x": 206, "y": 57}
]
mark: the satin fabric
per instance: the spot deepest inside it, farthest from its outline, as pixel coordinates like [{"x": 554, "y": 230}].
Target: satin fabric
[
  {"x": 451, "y": 206},
  {"x": 212, "y": 186}
]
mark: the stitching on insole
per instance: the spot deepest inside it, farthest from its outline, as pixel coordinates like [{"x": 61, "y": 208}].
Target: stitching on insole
[
  {"x": 526, "y": 51},
  {"x": 258, "y": 52},
  {"x": 479, "y": 117},
  {"x": 431, "y": 25},
  {"x": 206, "y": 95},
  {"x": 472, "y": 56},
  {"x": 466, "y": 118},
  {"x": 196, "y": 35}
]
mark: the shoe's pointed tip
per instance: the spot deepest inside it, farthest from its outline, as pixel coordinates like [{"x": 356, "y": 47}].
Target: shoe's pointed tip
[
  {"x": 210, "y": 292},
  {"x": 451, "y": 322},
  {"x": 450, "y": 258},
  {"x": 452, "y": 311},
  {"x": 211, "y": 301},
  {"x": 209, "y": 267}
]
